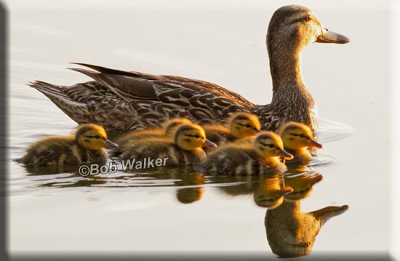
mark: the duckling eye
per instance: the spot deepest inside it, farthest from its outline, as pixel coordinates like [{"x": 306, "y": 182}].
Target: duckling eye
[
  {"x": 268, "y": 145},
  {"x": 308, "y": 18},
  {"x": 196, "y": 136},
  {"x": 245, "y": 125}
]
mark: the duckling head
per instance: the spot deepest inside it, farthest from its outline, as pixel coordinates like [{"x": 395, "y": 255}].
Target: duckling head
[
  {"x": 297, "y": 136},
  {"x": 170, "y": 125},
  {"x": 243, "y": 124},
  {"x": 268, "y": 145},
  {"x": 297, "y": 26},
  {"x": 189, "y": 137},
  {"x": 93, "y": 137}
]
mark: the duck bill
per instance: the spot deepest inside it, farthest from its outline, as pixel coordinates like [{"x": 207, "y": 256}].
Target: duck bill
[
  {"x": 314, "y": 144},
  {"x": 332, "y": 37},
  {"x": 286, "y": 155},
  {"x": 285, "y": 191},
  {"x": 110, "y": 145},
  {"x": 209, "y": 145}
]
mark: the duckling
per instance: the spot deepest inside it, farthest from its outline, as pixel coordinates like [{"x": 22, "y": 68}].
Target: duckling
[
  {"x": 86, "y": 146},
  {"x": 241, "y": 125},
  {"x": 184, "y": 149},
  {"x": 298, "y": 139},
  {"x": 260, "y": 156},
  {"x": 130, "y": 138}
]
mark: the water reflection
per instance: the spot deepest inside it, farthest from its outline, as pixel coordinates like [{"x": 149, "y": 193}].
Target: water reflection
[{"x": 291, "y": 232}]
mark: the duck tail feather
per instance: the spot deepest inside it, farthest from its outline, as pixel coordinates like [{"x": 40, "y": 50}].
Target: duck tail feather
[{"x": 47, "y": 88}]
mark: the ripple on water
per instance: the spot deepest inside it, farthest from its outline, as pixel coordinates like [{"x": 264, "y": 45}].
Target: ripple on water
[{"x": 329, "y": 131}]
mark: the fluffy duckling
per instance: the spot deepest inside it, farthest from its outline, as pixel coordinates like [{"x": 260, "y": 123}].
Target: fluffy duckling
[
  {"x": 298, "y": 139},
  {"x": 260, "y": 156},
  {"x": 86, "y": 146},
  {"x": 184, "y": 149},
  {"x": 167, "y": 130},
  {"x": 241, "y": 125}
]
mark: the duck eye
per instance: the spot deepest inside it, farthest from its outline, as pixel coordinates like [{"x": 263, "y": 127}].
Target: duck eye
[{"x": 308, "y": 18}]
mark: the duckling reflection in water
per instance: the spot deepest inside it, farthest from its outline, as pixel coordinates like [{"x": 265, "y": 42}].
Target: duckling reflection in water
[
  {"x": 267, "y": 190},
  {"x": 167, "y": 130},
  {"x": 189, "y": 195},
  {"x": 298, "y": 139},
  {"x": 269, "y": 193},
  {"x": 184, "y": 149},
  {"x": 241, "y": 125},
  {"x": 86, "y": 146},
  {"x": 291, "y": 232},
  {"x": 260, "y": 156}
]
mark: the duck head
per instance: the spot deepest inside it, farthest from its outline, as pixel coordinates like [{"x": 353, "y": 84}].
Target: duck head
[
  {"x": 297, "y": 136},
  {"x": 93, "y": 137},
  {"x": 189, "y": 137},
  {"x": 292, "y": 28},
  {"x": 297, "y": 26},
  {"x": 243, "y": 124},
  {"x": 268, "y": 145}
]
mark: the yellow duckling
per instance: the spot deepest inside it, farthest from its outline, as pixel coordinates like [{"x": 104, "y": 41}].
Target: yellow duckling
[
  {"x": 260, "y": 156},
  {"x": 241, "y": 125},
  {"x": 298, "y": 139},
  {"x": 167, "y": 130},
  {"x": 86, "y": 146},
  {"x": 184, "y": 149}
]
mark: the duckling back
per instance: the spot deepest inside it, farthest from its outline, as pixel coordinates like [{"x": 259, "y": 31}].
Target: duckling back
[
  {"x": 86, "y": 146},
  {"x": 164, "y": 149},
  {"x": 234, "y": 159},
  {"x": 60, "y": 151}
]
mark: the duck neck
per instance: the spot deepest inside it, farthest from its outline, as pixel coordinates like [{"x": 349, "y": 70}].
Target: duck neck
[{"x": 286, "y": 73}]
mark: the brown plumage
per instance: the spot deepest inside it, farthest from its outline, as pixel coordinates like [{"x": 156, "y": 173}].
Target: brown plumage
[
  {"x": 86, "y": 146},
  {"x": 125, "y": 100}
]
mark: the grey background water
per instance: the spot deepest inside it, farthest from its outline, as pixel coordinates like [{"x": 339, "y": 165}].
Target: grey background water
[{"x": 221, "y": 42}]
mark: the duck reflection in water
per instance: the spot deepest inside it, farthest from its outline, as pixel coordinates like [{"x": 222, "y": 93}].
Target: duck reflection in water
[
  {"x": 267, "y": 189},
  {"x": 291, "y": 232}
]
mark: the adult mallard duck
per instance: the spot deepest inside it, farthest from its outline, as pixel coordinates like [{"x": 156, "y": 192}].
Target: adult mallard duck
[
  {"x": 86, "y": 146},
  {"x": 259, "y": 157},
  {"x": 240, "y": 125},
  {"x": 126, "y": 100},
  {"x": 185, "y": 148}
]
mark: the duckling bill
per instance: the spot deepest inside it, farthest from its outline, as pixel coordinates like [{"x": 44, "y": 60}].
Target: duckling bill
[{"x": 86, "y": 146}]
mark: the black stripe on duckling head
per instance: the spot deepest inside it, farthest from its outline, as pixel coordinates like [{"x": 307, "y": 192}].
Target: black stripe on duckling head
[
  {"x": 171, "y": 124},
  {"x": 243, "y": 124},
  {"x": 268, "y": 144},
  {"x": 298, "y": 136},
  {"x": 189, "y": 137},
  {"x": 91, "y": 136}
]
